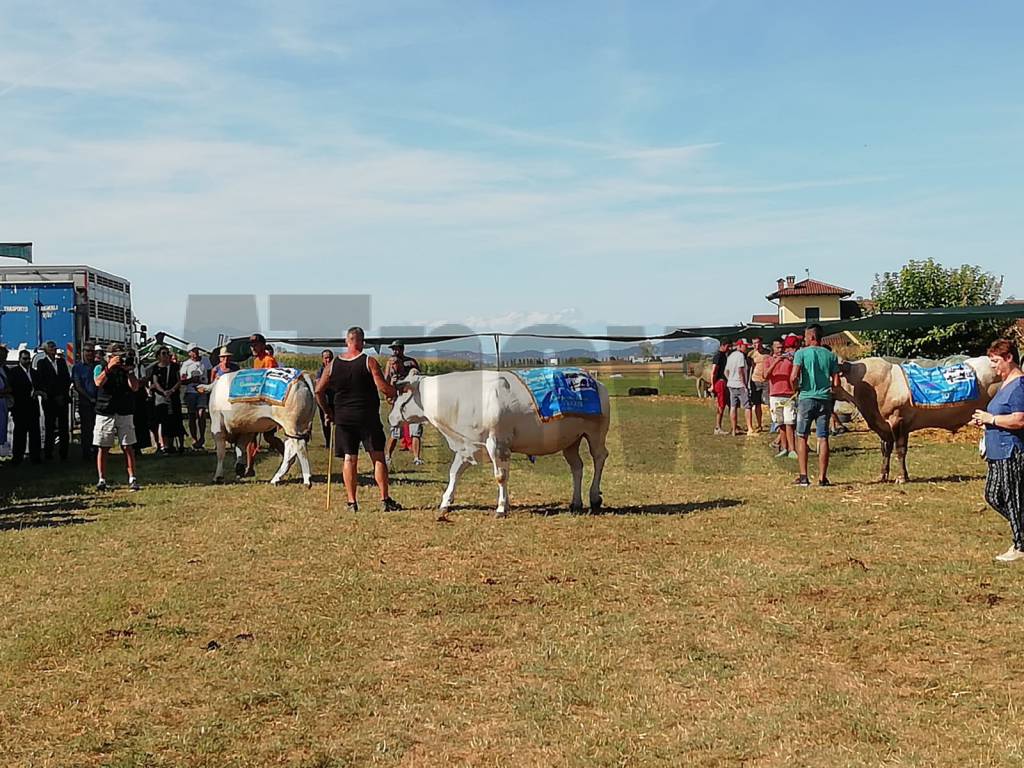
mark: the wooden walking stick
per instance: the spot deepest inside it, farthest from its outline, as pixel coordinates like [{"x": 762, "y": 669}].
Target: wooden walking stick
[{"x": 330, "y": 460}]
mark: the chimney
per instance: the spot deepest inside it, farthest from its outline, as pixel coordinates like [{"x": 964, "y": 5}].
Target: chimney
[
  {"x": 781, "y": 283},
  {"x": 790, "y": 281}
]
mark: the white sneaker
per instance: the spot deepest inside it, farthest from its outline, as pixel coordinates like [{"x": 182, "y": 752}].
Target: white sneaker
[
  {"x": 1010, "y": 555},
  {"x": 418, "y": 462},
  {"x": 719, "y": 431}
]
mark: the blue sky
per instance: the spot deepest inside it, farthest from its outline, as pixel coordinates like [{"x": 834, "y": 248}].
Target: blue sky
[{"x": 500, "y": 164}]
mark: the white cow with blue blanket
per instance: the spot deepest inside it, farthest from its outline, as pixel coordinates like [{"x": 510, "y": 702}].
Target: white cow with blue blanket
[
  {"x": 239, "y": 415},
  {"x": 489, "y": 415}
]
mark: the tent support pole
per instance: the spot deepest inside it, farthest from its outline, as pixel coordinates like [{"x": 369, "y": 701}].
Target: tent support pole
[{"x": 497, "y": 350}]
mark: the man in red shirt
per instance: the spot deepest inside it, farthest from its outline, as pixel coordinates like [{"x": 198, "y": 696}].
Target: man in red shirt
[
  {"x": 777, "y": 369},
  {"x": 718, "y": 385},
  {"x": 261, "y": 358}
]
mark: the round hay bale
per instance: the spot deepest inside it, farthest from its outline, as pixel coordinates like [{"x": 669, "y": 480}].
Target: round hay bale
[{"x": 642, "y": 391}]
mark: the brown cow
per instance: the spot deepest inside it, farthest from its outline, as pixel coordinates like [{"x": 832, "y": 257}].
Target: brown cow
[{"x": 882, "y": 395}]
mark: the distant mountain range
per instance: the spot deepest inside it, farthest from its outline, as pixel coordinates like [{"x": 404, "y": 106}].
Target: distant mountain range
[{"x": 563, "y": 349}]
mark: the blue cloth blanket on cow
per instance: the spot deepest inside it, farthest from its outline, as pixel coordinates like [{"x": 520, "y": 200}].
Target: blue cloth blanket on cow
[
  {"x": 262, "y": 385},
  {"x": 559, "y": 392},
  {"x": 945, "y": 385}
]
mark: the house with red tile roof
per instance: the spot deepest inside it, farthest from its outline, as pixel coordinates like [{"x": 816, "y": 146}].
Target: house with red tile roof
[{"x": 809, "y": 301}]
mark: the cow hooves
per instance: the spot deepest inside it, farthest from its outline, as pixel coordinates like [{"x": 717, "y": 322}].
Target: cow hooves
[
  {"x": 575, "y": 509},
  {"x": 501, "y": 513},
  {"x": 901, "y": 480},
  {"x": 275, "y": 482},
  {"x": 307, "y": 484},
  {"x": 596, "y": 505},
  {"x": 218, "y": 480}
]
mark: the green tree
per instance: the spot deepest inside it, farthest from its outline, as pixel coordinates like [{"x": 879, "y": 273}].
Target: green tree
[{"x": 926, "y": 284}]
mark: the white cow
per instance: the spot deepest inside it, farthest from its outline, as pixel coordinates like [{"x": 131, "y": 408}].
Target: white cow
[
  {"x": 491, "y": 415},
  {"x": 240, "y": 423}
]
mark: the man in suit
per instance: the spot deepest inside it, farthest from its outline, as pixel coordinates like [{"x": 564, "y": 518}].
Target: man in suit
[
  {"x": 21, "y": 380},
  {"x": 53, "y": 380}
]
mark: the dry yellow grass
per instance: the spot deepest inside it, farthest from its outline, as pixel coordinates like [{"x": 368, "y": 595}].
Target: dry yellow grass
[{"x": 722, "y": 618}]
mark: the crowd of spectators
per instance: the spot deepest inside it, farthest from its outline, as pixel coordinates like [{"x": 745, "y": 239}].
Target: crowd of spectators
[
  {"x": 115, "y": 399},
  {"x": 794, "y": 380}
]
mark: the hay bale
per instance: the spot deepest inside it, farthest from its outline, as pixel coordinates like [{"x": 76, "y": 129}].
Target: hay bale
[{"x": 642, "y": 391}]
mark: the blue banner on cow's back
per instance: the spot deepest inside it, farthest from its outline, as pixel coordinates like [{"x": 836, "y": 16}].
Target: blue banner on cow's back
[
  {"x": 945, "y": 385},
  {"x": 559, "y": 392},
  {"x": 262, "y": 385}
]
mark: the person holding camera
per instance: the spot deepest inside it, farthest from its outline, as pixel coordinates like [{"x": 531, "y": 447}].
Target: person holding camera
[{"x": 116, "y": 385}]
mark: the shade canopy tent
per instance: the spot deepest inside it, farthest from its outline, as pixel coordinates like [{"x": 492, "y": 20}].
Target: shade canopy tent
[
  {"x": 896, "y": 320},
  {"x": 908, "y": 319}
]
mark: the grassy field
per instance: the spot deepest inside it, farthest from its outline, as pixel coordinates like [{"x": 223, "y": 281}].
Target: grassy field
[{"x": 714, "y": 616}]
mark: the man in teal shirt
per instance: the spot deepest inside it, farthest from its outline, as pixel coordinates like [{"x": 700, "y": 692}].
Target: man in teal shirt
[{"x": 815, "y": 373}]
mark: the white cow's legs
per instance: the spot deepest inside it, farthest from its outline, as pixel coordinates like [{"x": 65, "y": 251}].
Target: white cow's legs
[
  {"x": 286, "y": 460},
  {"x": 459, "y": 465},
  {"x": 307, "y": 475},
  {"x": 221, "y": 443},
  {"x": 599, "y": 452},
  {"x": 500, "y": 457},
  {"x": 572, "y": 457}
]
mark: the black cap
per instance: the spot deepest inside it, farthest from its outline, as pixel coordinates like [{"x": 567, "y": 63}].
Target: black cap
[
  {"x": 258, "y": 337},
  {"x": 397, "y": 344}
]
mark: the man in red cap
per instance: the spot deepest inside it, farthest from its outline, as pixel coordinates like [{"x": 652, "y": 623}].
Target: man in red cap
[{"x": 777, "y": 369}]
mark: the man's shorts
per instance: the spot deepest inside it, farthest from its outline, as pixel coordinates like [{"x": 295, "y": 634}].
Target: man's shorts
[
  {"x": 783, "y": 410},
  {"x": 349, "y": 437},
  {"x": 195, "y": 400},
  {"x": 721, "y": 395},
  {"x": 109, "y": 429},
  {"x": 810, "y": 410},
  {"x": 415, "y": 430},
  {"x": 739, "y": 397},
  {"x": 758, "y": 393}
]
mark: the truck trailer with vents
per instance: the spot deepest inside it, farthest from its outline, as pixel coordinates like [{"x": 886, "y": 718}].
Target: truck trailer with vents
[{"x": 69, "y": 305}]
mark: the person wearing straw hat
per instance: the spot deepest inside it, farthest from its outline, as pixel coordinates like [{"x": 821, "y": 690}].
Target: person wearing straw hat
[{"x": 224, "y": 365}]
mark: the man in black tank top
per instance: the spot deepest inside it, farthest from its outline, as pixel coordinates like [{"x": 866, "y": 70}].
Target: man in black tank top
[{"x": 356, "y": 380}]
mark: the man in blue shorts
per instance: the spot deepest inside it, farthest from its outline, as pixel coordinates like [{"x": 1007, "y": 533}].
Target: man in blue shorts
[{"x": 815, "y": 373}]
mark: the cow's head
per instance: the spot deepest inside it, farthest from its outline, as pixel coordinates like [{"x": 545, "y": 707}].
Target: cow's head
[{"x": 408, "y": 405}]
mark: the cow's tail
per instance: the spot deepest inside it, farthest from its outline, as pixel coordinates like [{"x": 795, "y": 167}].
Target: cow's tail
[{"x": 311, "y": 383}]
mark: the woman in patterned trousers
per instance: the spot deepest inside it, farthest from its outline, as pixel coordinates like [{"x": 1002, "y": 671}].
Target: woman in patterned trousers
[{"x": 1004, "y": 444}]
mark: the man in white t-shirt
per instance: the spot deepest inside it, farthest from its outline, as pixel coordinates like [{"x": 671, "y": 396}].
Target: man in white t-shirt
[
  {"x": 196, "y": 372},
  {"x": 737, "y": 379}
]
